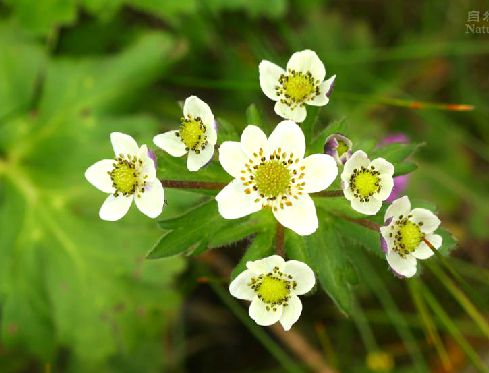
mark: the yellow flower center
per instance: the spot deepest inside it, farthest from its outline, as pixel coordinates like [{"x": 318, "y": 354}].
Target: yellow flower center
[
  {"x": 408, "y": 237},
  {"x": 296, "y": 87},
  {"x": 273, "y": 288},
  {"x": 364, "y": 183},
  {"x": 125, "y": 175},
  {"x": 192, "y": 133},
  {"x": 272, "y": 178}
]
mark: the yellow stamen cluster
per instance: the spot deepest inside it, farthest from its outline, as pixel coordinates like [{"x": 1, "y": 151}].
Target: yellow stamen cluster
[
  {"x": 273, "y": 288},
  {"x": 276, "y": 179},
  {"x": 406, "y": 235},
  {"x": 193, "y": 134},
  {"x": 295, "y": 88},
  {"x": 126, "y": 177},
  {"x": 364, "y": 183}
]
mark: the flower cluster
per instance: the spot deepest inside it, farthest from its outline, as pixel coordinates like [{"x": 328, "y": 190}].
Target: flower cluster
[{"x": 272, "y": 172}]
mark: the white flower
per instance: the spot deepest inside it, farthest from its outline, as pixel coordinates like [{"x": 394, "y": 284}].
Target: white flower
[
  {"x": 196, "y": 136},
  {"x": 131, "y": 175},
  {"x": 302, "y": 83},
  {"x": 366, "y": 184},
  {"x": 405, "y": 233},
  {"x": 273, "y": 285},
  {"x": 274, "y": 173}
]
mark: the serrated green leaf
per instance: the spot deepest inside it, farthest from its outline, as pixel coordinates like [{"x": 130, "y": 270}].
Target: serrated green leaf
[
  {"x": 449, "y": 242},
  {"x": 327, "y": 256},
  {"x": 260, "y": 247},
  {"x": 234, "y": 232},
  {"x": 360, "y": 235}
]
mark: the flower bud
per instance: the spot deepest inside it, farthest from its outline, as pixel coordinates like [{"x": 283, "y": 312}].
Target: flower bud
[{"x": 339, "y": 147}]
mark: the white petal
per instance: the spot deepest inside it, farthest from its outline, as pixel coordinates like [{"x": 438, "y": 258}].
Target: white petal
[
  {"x": 321, "y": 170},
  {"x": 357, "y": 160},
  {"x": 147, "y": 166},
  {"x": 239, "y": 286},
  {"x": 269, "y": 78},
  {"x": 234, "y": 203},
  {"x": 211, "y": 133},
  {"x": 232, "y": 158},
  {"x": 115, "y": 208},
  {"x": 386, "y": 184},
  {"x": 97, "y": 175},
  {"x": 252, "y": 139},
  {"x": 261, "y": 316},
  {"x": 383, "y": 166},
  {"x": 429, "y": 221},
  {"x": 401, "y": 206},
  {"x": 423, "y": 251},
  {"x": 385, "y": 232},
  {"x": 289, "y": 137},
  {"x": 170, "y": 143},
  {"x": 298, "y": 114},
  {"x": 152, "y": 199},
  {"x": 291, "y": 312},
  {"x": 368, "y": 208},
  {"x": 302, "y": 274},
  {"x": 196, "y": 161},
  {"x": 322, "y": 99},
  {"x": 404, "y": 266},
  {"x": 307, "y": 61},
  {"x": 266, "y": 265},
  {"x": 300, "y": 217},
  {"x": 195, "y": 107},
  {"x": 123, "y": 144}
]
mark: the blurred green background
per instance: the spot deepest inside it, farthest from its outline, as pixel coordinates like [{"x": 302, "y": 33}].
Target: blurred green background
[{"x": 76, "y": 293}]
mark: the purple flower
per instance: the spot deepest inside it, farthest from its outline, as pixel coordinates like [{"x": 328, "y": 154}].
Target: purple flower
[{"x": 339, "y": 147}]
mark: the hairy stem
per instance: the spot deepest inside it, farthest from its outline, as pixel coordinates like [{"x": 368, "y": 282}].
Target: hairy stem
[{"x": 180, "y": 184}]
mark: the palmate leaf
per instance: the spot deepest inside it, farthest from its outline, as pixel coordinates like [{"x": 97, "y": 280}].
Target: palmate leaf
[
  {"x": 326, "y": 253},
  {"x": 66, "y": 277},
  {"x": 202, "y": 228}
]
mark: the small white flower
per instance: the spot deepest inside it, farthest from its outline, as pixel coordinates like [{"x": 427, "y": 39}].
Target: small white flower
[
  {"x": 196, "y": 136},
  {"x": 303, "y": 83},
  {"x": 131, "y": 175},
  {"x": 273, "y": 285},
  {"x": 404, "y": 234},
  {"x": 274, "y": 173},
  {"x": 366, "y": 184}
]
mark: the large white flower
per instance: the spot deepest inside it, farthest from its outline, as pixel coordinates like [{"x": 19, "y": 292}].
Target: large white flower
[
  {"x": 273, "y": 285},
  {"x": 130, "y": 176},
  {"x": 404, "y": 235},
  {"x": 366, "y": 184},
  {"x": 303, "y": 83},
  {"x": 196, "y": 136},
  {"x": 274, "y": 173}
]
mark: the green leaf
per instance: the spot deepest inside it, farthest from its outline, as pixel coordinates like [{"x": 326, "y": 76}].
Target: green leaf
[
  {"x": 360, "y": 235},
  {"x": 260, "y": 247},
  {"x": 395, "y": 153},
  {"x": 67, "y": 278},
  {"x": 404, "y": 168},
  {"x": 42, "y": 16},
  {"x": 449, "y": 242},
  {"x": 190, "y": 231},
  {"x": 235, "y": 232},
  {"x": 327, "y": 256},
  {"x": 253, "y": 116}
]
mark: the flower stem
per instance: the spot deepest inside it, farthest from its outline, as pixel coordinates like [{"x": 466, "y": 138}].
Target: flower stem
[
  {"x": 181, "y": 184},
  {"x": 279, "y": 240},
  {"x": 329, "y": 193}
]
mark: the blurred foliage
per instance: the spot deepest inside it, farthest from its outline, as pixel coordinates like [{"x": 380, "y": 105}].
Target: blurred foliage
[{"x": 76, "y": 293}]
